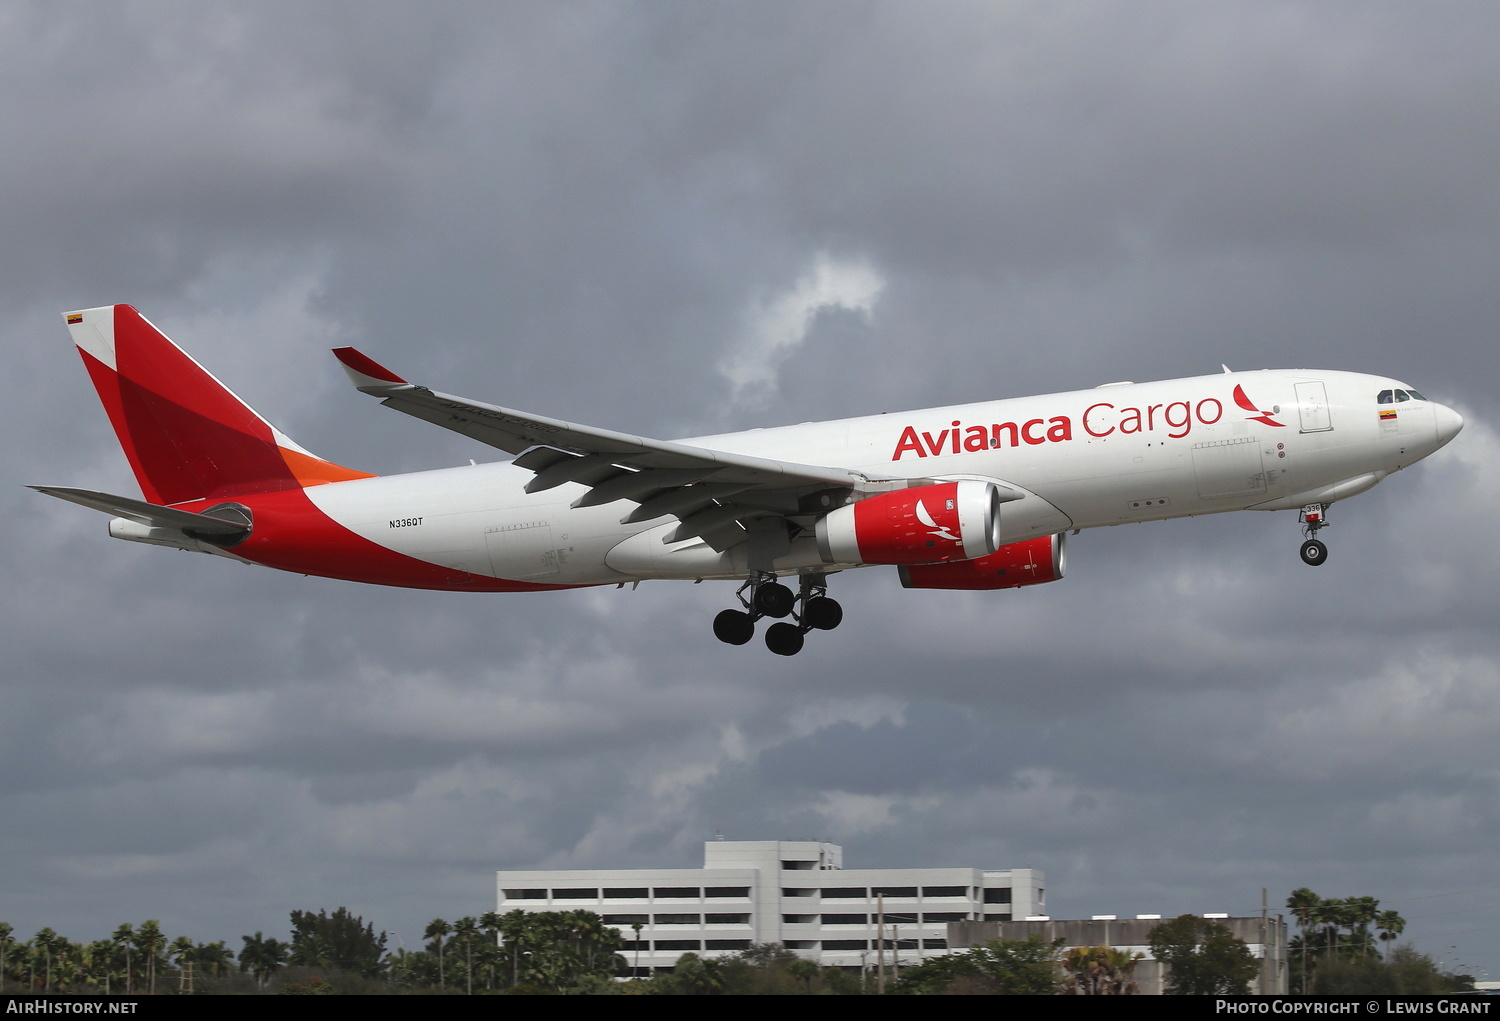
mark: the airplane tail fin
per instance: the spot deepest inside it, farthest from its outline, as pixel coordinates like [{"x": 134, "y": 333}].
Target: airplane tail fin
[{"x": 186, "y": 435}]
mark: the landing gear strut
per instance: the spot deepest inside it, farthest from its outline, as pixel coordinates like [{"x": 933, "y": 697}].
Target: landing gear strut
[
  {"x": 1314, "y": 553},
  {"x": 770, "y": 598}
]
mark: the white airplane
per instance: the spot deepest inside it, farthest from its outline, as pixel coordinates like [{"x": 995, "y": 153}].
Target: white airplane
[{"x": 975, "y": 496}]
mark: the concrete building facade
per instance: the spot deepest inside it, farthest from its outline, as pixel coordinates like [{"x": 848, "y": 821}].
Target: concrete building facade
[
  {"x": 793, "y": 892},
  {"x": 1266, "y": 938}
]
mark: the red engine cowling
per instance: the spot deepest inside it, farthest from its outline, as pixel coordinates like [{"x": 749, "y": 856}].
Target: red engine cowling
[
  {"x": 1021, "y": 563},
  {"x": 921, "y": 525}
]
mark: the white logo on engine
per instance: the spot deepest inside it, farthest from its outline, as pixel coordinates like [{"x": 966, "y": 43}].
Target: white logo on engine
[{"x": 938, "y": 530}]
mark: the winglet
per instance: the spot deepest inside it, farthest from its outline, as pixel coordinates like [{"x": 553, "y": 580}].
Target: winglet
[{"x": 366, "y": 372}]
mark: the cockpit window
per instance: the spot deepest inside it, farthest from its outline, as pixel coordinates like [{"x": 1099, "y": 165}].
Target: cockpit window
[
  {"x": 1416, "y": 396},
  {"x": 1402, "y": 397},
  {"x": 1385, "y": 397}
]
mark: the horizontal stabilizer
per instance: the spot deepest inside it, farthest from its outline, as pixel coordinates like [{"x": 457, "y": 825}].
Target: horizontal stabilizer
[{"x": 144, "y": 513}]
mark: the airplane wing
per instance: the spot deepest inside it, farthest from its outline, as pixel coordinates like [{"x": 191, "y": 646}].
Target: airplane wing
[{"x": 712, "y": 492}]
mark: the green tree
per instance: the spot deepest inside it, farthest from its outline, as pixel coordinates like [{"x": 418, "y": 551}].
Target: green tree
[
  {"x": 124, "y": 939},
  {"x": 1303, "y": 904},
  {"x": 149, "y": 940},
  {"x": 311, "y": 951},
  {"x": 491, "y": 924},
  {"x": 1002, "y": 966},
  {"x": 98, "y": 964},
  {"x": 348, "y": 943},
  {"x": 213, "y": 956},
  {"x": 1390, "y": 924},
  {"x": 693, "y": 976},
  {"x": 936, "y": 975},
  {"x": 45, "y": 944},
  {"x": 770, "y": 969},
  {"x": 6, "y": 942},
  {"x": 263, "y": 957},
  {"x": 1202, "y": 957},
  {"x": 1100, "y": 971},
  {"x": 1406, "y": 972},
  {"x": 181, "y": 952},
  {"x": 438, "y": 930},
  {"x": 466, "y": 934}
]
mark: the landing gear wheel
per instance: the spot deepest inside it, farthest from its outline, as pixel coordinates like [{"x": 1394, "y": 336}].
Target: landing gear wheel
[
  {"x": 822, "y": 613},
  {"x": 734, "y": 627},
  {"x": 773, "y": 599},
  {"x": 1314, "y": 553},
  {"x": 784, "y": 639}
]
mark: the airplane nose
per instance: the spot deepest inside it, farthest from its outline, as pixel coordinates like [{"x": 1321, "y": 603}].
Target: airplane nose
[{"x": 1448, "y": 421}]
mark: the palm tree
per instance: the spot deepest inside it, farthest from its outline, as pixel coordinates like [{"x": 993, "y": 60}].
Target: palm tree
[
  {"x": 149, "y": 939},
  {"x": 436, "y": 930},
  {"x": 1303, "y": 904},
  {"x": 214, "y": 955},
  {"x": 467, "y": 929},
  {"x": 1362, "y": 912},
  {"x": 98, "y": 957},
  {"x": 123, "y": 938},
  {"x": 262, "y": 957},
  {"x": 491, "y": 923},
  {"x": 5, "y": 941},
  {"x": 44, "y": 943},
  {"x": 1101, "y": 971},
  {"x": 1390, "y": 925},
  {"x": 1330, "y": 913},
  {"x": 516, "y": 928},
  {"x": 181, "y": 951}
]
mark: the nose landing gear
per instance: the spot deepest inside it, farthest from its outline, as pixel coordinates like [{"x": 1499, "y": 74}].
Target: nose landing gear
[
  {"x": 1314, "y": 553},
  {"x": 770, "y": 598}
]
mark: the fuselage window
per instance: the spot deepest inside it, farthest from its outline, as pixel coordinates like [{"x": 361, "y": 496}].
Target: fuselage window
[{"x": 1385, "y": 397}]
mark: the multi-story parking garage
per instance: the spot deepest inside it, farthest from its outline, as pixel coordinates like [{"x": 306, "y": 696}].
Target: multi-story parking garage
[{"x": 793, "y": 892}]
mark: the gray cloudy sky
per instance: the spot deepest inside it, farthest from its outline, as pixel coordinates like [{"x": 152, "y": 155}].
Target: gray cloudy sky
[{"x": 678, "y": 218}]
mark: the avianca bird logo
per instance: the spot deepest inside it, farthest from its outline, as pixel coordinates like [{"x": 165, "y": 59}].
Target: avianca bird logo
[
  {"x": 1248, "y": 405},
  {"x": 938, "y": 531}
]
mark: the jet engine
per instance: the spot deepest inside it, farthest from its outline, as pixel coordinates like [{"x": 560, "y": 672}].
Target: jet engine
[
  {"x": 1021, "y": 563},
  {"x": 932, "y": 524}
]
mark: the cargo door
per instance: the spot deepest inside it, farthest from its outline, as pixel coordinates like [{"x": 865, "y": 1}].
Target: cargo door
[
  {"x": 1232, "y": 467},
  {"x": 523, "y": 551}
]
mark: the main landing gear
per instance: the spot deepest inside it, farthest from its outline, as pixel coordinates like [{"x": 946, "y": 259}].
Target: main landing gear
[
  {"x": 770, "y": 598},
  {"x": 1312, "y": 518}
]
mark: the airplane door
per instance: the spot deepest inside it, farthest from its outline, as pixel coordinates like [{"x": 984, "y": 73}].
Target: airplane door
[
  {"x": 1312, "y": 407},
  {"x": 522, "y": 551}
]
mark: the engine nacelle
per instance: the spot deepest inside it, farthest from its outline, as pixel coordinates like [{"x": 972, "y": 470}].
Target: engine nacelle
[
  {"x": 921, "y": 525},
  {"x": 1021, "y": 563}
]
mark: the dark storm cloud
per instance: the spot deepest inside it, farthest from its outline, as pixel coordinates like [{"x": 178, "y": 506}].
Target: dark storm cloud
[{"x": 613, "y": 213}]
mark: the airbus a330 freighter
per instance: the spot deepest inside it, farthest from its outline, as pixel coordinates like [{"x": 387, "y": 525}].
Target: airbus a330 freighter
[{"x": 976, "y": 496}]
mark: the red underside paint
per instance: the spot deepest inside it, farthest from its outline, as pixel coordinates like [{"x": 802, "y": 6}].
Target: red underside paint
[{"x": 291, "y": 534}]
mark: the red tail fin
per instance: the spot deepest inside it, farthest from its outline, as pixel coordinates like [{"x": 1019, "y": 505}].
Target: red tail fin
[{"x": 186, "y": 435}]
